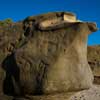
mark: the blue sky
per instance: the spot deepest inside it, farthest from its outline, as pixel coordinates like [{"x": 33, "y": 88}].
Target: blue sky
[{"x": 86, "y": 10}]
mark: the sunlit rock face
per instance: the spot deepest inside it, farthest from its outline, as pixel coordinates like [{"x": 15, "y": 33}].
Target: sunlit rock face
[{"x": 54, "y": 59}]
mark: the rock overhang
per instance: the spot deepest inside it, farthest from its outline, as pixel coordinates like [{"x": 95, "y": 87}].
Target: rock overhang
[{"x": 56, "y": 20}]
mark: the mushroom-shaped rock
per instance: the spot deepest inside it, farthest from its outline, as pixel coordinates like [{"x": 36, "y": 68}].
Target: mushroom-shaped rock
[{"x": 54, "y": 59}]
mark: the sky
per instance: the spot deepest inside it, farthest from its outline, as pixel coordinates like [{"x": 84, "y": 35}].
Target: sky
[{"x": 86, "y": 10}]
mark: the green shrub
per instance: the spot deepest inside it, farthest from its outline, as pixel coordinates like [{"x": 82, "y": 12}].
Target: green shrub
[{"x": 6, "y": 22}]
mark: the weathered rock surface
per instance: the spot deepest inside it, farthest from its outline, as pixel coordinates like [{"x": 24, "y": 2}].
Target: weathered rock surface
[
  {"x": 53, "y": 56},
  {"x": 94, "y": 61},
  {"x": 45, "y": 54},
  {"x": 10, "y": 36}
]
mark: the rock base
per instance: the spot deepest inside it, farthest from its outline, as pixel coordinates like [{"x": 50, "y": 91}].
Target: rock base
[{"x": 90, "y": 94}]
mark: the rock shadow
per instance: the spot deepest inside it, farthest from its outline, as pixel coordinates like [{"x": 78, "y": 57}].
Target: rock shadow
[{"x": 11, "y": 85}]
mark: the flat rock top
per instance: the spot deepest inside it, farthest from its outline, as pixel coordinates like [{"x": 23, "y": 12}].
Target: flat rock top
[{"x": 52, "y": 15}]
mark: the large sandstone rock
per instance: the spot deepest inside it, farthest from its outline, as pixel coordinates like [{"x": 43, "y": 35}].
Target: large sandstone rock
[{"x": 54, "y": 59}]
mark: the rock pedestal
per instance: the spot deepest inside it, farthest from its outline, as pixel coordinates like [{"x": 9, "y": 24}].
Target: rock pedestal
[{"x": 55, "y": 57}]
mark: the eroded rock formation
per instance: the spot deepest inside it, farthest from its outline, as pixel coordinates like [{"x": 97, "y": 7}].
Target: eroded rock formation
[{"x": 47, "y": 56}]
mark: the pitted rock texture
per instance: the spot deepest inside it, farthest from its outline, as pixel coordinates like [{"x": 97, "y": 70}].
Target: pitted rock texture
[{"x": 48, "y": 55}]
